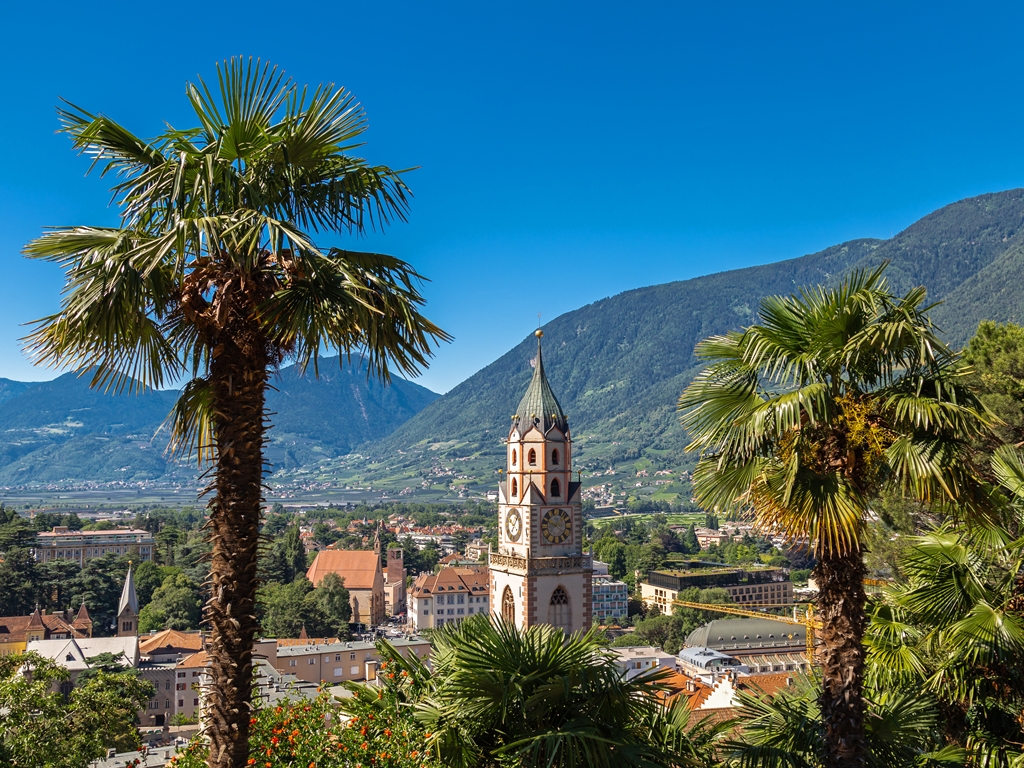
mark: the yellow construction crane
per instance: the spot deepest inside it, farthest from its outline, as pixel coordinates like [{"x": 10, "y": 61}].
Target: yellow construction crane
[{"x": 807, "y": 620}]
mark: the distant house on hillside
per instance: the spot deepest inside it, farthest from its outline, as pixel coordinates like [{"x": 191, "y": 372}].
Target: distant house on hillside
[{"x": 363, "y": 576}]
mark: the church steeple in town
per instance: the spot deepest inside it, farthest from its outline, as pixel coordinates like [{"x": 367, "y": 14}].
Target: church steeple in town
[
  {"x": 128, "y": 607},
  {"x": 539, "y": 575}
]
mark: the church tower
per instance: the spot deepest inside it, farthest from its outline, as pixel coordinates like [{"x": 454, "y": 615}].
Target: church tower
[
  {"x": 539, "y": 575},
  {"x": 128, "y": 608}
]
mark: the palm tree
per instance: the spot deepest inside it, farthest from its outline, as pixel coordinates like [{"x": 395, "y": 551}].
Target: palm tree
[
  {"x": 501, "y": 696},
  {"x": 955, "y": 629},
  {"x": 214, "y": 274},
  {"x": 785, "y": 731},
  {"x": 805, "y": 418}
]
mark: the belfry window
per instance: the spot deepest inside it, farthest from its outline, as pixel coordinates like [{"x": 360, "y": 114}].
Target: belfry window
[
  {"x": 508, "y": 606},
  {"x": 515, "y": 487},
  {"x": 554, "y": 457},
  {"x": 532, "y": 457},
  {"x": 556, "y": 488},
  {"x": 559, "y": 615},
  {"x": 515, "y": 458}
]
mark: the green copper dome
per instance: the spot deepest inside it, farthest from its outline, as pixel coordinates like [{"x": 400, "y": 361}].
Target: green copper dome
[{"x": 539, "y": 405}]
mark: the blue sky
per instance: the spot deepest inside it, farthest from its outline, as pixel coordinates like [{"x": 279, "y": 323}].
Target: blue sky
[{"x": 580, "y": 149}]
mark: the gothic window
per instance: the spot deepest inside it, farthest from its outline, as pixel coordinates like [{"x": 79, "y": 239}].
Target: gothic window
[
  {"x": 556, "y": 488},
  {"x": 559, "y": 615},
  {"x": 554, "y": 458},
  {"x": 514, "y": 457},
  {"x": 515, "y": 487},
  {"x": 532, "y": 458},
  {"x": 508, "y": 606}
]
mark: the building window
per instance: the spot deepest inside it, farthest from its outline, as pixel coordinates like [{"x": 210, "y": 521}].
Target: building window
[
  {"x": 351, "y": 657},
  {"x": 339, "y": 671},
  {"x": 514, "y": 457},
  {"x": 354, "y": 671},
  {"x": 337, "y": 657},
  {"x": 556, "y": 488},
  {"x": 532, "y": 457},
  {"x": 554, "y": 457},
  {"x": 292, "y": 662},
  {"x": 312, "y": 661},
  {"x": 559, "y": 615},
  {"x": 181, "y": 703},
  {"x": 195, "y": 702},
  {"x": 508, "y": 605},
  {"x": 515, "y": 487}
]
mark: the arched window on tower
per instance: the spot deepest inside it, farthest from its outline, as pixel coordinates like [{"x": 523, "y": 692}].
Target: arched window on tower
[
  {"x": 559, "y": 613},
  {"x": 515, "y": 458},
  {"x": 554, "y": 457},
  {"x": 556, "y": 488},
  {"x": 532, "y": 457},
  {"x": 515, "y": 487},
  {"x": 508, "y": 606}
]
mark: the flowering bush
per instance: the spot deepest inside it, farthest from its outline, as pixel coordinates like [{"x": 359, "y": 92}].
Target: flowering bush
[{"x": 315, "y": 734}]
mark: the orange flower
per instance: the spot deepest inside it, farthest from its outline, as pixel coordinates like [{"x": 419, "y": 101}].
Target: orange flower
[
  {"x": 364, "y": 745},
  {"x": 428, "y": 734},
  {"x": 387, "y": 731},
  {"x": 312, "y": 765},
  {"x": 413, "y": 753}
]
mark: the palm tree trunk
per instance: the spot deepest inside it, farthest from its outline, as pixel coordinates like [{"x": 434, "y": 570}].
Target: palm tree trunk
[
  {"x": 841, "y": 598},
  {"x": 238, "y": 378}
]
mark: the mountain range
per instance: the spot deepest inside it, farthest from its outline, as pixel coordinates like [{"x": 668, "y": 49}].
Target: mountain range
[
  {"x": 617, "y": 366},
  {"x": 62, "y": 430}
]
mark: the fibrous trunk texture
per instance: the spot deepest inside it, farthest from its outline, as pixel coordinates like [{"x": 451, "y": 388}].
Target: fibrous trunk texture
[
  {"x": 841, "y": 598},
  {"x": 238, "y": 374}
]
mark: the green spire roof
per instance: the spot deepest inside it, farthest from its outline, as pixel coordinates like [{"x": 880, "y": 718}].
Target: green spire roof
[{"x": 539, "y": 405}]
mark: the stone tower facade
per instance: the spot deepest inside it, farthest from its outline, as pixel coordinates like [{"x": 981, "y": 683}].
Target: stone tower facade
[{"x": 540, "y": 575}]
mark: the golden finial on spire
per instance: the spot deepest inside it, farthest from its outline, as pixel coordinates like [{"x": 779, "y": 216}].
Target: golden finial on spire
[{"x": 538, "y": 333}]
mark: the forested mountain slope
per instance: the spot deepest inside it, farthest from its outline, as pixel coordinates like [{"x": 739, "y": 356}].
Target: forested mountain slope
[
  {"x": 63, "y": 430},
  {"x": 618, "y": 365}
]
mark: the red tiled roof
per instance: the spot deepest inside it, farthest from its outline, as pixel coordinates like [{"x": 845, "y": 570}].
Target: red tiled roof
[
  {"x": 470, "y": 580},
  {"x": 358, "y": 567},
  {"x": 170, "y": 638}
]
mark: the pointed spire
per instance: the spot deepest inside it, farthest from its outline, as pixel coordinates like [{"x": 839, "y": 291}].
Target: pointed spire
[
  {"x": 539, "y": 405},
  {"x": 83, "y": 614},
  {"x": 128, "y": 596},
  {"x": 36, "y": 619},
  {"x": 302, "y": 634}
]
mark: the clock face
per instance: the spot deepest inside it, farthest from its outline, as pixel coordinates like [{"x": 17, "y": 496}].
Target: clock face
[
  {"x": 513, "y": 525},
  {"x": 555, "y": 525}
]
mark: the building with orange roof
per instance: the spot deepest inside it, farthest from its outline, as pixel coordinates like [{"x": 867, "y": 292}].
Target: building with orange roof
[
  {"x": 363, "y": 576},
  {"x": 448, "y": 596},
  {"x": 170, "y": 644},
  {"x": 17, "y": 631}
]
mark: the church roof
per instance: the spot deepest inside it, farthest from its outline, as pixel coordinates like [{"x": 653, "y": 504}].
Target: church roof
[
  {"x": 358, "y": 567},
  {"x": 128, "y": 597},
  {"x": 539, "y": 405}
]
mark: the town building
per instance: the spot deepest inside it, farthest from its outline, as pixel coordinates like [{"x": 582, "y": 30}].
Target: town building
[
  {"x": 340, "y": 662},
  {"x": 763, "y": 645},
  {"x": 17, "y": 631},
  {"x": 394, "y": 582},
  {"x": 746, "y": 586},
  {"x": 699, "y": 661},
  {"x": 636, "y": 660},
  {"x": 170, "y": 644},
  {"x": 448, "y": 596},
  {"x": 62, "y": 543},
  {"x": 540, "y": 574},
  {"x": 611, "y": 596},
  {"x": 363, "y": 576}
]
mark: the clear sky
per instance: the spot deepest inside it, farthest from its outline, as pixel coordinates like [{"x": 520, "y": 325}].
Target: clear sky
[{"x": 567, "y": 150}]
